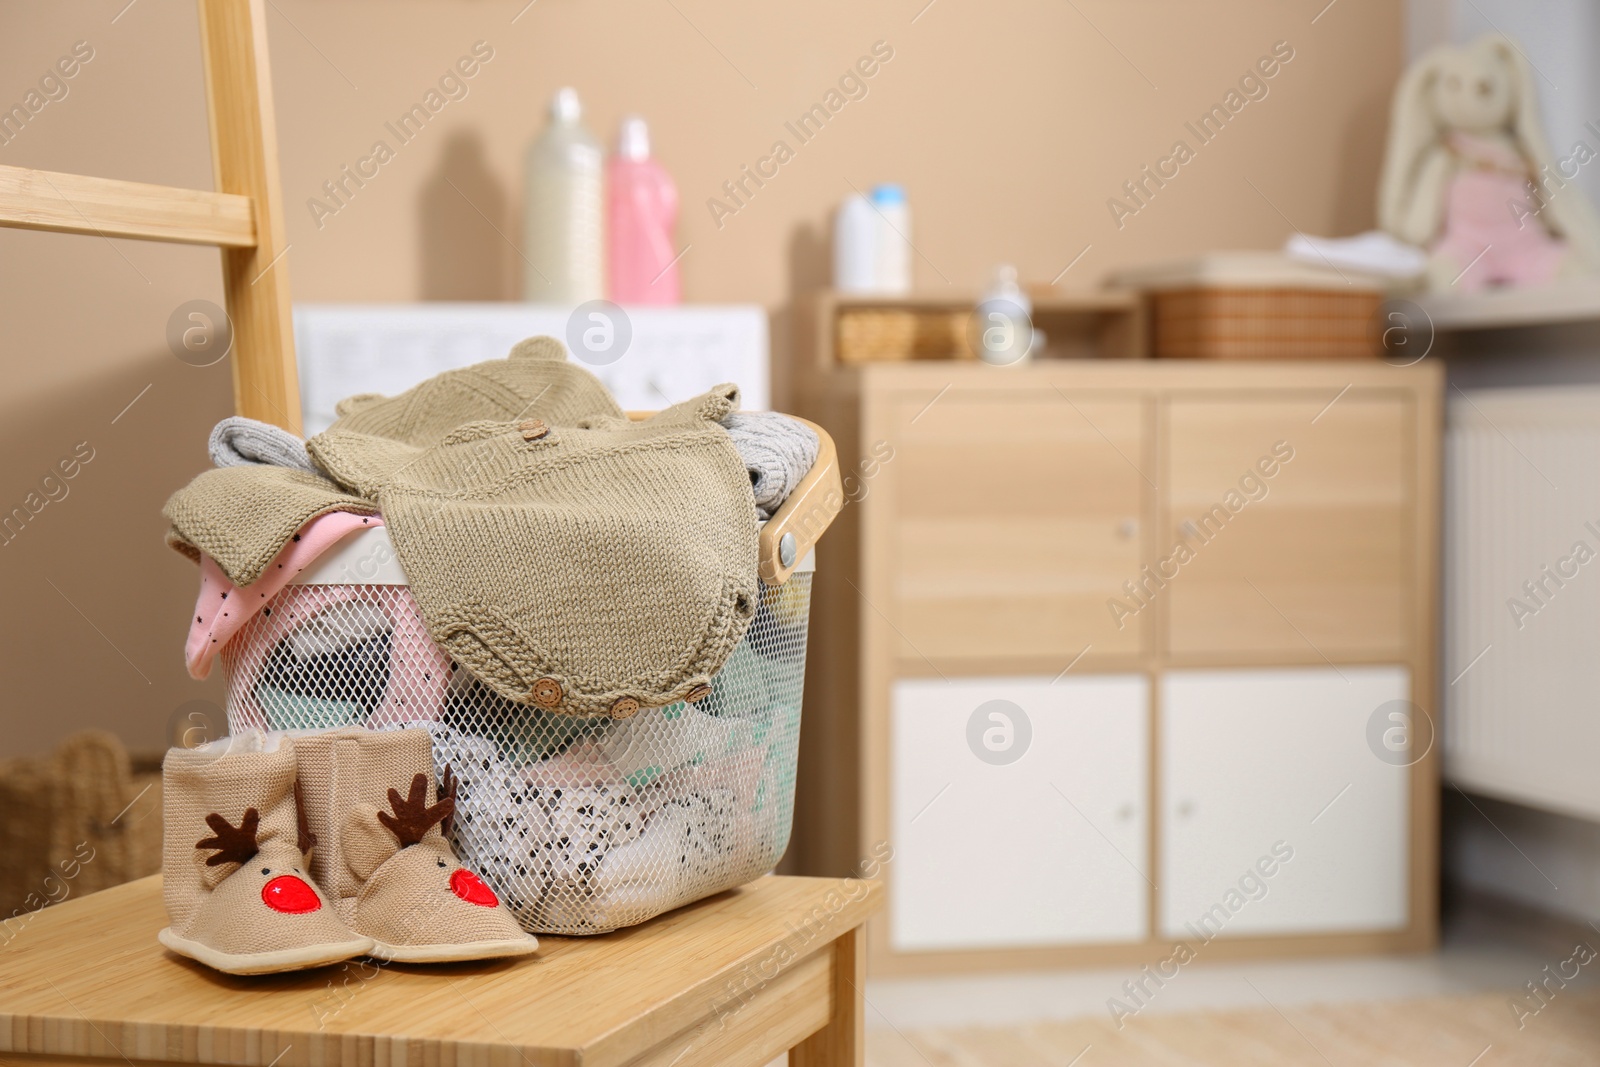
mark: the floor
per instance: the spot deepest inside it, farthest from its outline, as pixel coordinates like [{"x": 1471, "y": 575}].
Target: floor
[
  {"x": 1462, "y": 1031},
  {"x": 1468, "y": 991}
]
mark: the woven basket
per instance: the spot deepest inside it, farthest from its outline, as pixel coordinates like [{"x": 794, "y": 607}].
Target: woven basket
[
  {"x": 82, "y": 819},
  {"x": 1234, "y": 323},
  {"x": 883, "y": 334}
]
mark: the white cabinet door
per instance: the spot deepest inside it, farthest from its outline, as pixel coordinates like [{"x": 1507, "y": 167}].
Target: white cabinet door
[
  {"x": 1278, "y": 816},
  {"x": 1018, "y": 812}
]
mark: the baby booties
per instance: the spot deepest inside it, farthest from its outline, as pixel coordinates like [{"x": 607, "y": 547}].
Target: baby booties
[
  {"x": 234, "y": 855},
  {"x": 382, "y": 818}
]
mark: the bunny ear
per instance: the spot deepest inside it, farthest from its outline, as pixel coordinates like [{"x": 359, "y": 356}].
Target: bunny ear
[
  {"x": 1413, "y": 132},
  {"x": 1527, "y": 129},
  {"x": 1567, "y": 211}
]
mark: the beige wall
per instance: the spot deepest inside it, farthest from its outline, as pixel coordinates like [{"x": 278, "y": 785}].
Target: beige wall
[{"x": 1010, "y": 123}]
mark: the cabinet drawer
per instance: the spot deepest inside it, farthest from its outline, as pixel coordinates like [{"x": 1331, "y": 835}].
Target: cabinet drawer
[
  {"x": 1297, "y": 519},
  {"x": 1016, "y": 518}
]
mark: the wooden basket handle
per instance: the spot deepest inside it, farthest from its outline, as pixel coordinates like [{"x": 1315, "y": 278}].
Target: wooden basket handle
[{"x": 797, "y": 526}]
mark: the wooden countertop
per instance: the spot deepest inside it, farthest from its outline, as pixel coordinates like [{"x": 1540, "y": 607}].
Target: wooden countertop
[{"x": 730, "y": 976}]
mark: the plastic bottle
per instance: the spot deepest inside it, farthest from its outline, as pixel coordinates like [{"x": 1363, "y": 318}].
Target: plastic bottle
[
  {"x": 641, "y": 212},
  {"x": 855, "y": 246},
  {"x": 892, "y": 269},
  {"x": 563, "y": 239},
  {"x": 1003, "y": 321}
]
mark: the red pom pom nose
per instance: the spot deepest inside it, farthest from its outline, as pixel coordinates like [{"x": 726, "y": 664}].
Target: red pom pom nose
[
  {"x": 290, "y": 895},
  {"x": 472, "y": 889}
]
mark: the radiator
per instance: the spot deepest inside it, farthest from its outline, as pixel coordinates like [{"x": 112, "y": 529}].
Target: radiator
[{"x": 1522, "y": 596}]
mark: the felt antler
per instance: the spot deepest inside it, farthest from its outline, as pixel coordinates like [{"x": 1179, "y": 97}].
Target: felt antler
[
  {"x": 233, "y": 844},
  {"x": 305, "y": 840},
  {"x": 448, "y": 785},
  {"x": 412, "y": 816}
]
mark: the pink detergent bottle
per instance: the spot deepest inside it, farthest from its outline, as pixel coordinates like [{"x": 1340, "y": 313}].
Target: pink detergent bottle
[{"x": 642, "y": 210}]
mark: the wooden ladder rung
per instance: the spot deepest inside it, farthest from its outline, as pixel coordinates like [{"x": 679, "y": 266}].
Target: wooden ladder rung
[{"x": 72, "y": 203}]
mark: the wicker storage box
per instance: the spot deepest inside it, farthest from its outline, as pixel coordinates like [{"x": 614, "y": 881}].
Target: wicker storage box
[
  {"x": 871, "y": 335},
  {"x": 1258, "y": 306},
  {"x": 582, "y": 825},
  {"x": 82, "y": 819}
]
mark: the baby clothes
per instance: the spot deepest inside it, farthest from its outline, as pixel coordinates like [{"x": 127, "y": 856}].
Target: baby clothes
[
  {"x": 522, "y": 733},
  {"x": 575, "y": 566},
  {"x": 237, "y": 442},
  {"x": 224, "y": 607},
  {"x": 405, "y": 684},
  {"x": 320, "y": 690},
  {"x": 690, "y": 847},
  {"x": 777, "y": 451},
  {"x": 658, "y": 740},
  {"x": 573, "y": 848}
]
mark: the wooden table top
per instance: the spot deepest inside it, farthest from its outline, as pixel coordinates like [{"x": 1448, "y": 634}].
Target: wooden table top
[{"x": 87, "y": 978}]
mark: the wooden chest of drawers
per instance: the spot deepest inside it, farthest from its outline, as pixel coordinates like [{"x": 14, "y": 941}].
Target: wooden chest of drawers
[{"x": 1200, "y": 598}]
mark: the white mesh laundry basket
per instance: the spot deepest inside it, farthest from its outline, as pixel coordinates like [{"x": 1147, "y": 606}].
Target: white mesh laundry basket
[{"x": 583, "y": 825}]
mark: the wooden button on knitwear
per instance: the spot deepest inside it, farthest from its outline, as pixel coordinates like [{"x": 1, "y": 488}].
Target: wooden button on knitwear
[
  {"x": 547, "y": 692},
  {"x": 697, "y": 694},
  {"x": 624, "y": 708}
]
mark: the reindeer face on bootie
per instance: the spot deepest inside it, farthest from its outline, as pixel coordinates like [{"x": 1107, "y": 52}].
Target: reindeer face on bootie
[
  {"x": 241, "y": 899},
  {"x": 416, "y": 900}
]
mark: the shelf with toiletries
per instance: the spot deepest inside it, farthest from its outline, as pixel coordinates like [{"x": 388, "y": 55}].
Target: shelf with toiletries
[
  {"x": 597, "y": 228},
  {"x": 856, "y": 328}
]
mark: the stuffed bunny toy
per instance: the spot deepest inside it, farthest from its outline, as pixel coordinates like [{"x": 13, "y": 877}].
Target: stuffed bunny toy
[{"x": 1468, "y": 176}]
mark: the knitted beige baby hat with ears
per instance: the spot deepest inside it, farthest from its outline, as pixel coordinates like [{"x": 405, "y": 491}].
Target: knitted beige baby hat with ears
[
  {"x": 536, "y": 380},
  {"x": 579, "y": 562}
]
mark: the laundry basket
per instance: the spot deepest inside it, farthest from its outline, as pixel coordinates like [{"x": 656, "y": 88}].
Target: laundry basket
[{"x": 582, "y": 824}]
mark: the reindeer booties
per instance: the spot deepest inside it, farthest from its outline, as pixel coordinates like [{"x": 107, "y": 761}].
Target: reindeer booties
[
  {"x": 236, "y": 882},
  {"x": 371, "y": 799}
]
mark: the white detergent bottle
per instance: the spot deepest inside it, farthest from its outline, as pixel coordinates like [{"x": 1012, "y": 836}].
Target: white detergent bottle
[
  {"x": 893, "y": 258},
  {"x": 563, "y": 238},
  {"x": 855, "y": 246}
]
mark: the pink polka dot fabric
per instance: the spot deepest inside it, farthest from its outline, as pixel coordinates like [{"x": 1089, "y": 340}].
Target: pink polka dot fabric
[{"x": 223, "y": 608}]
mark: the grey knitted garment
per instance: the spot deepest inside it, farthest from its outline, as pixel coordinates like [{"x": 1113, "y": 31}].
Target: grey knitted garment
[
  {"x": 777, "y": 451},
  {"x": 239, "y": 442}
]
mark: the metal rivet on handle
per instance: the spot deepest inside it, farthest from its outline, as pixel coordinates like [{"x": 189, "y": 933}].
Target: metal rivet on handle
[{"x": 786, "y": 550}]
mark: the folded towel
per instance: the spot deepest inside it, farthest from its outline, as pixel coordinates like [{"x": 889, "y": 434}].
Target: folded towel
[{"x": 1373, "y": 252}]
